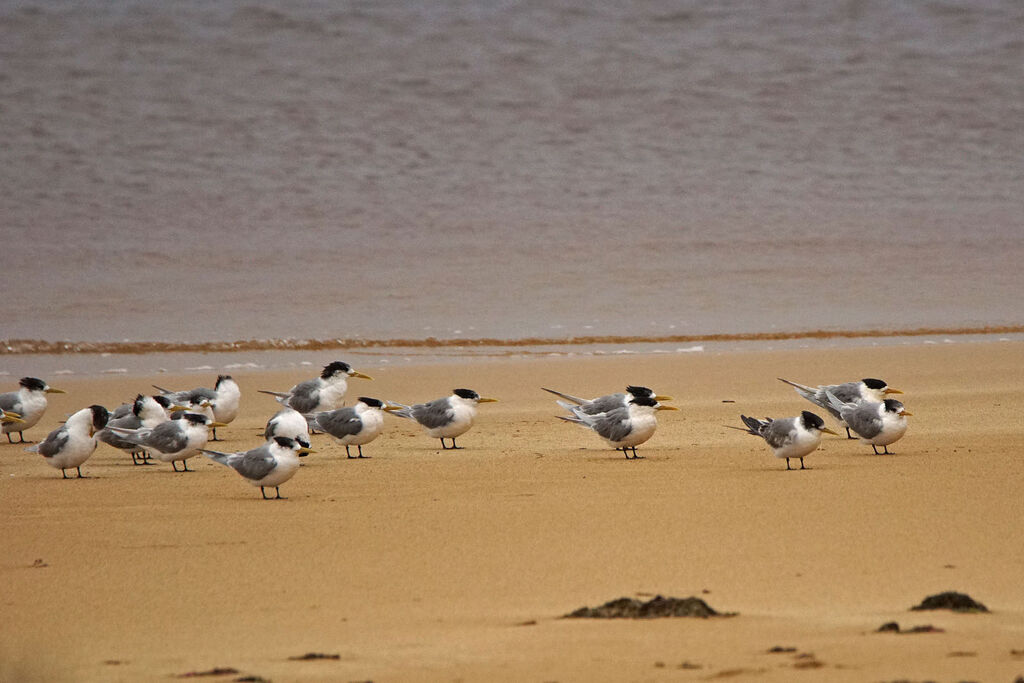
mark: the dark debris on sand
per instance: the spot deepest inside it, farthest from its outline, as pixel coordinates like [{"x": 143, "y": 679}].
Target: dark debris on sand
[
  {"x": 313, "y": 655},
  {"x": 658, "y": 606},
  {"x": 218, "y": 671},
  {"x": 893, "y": 627},
  {"x": 958, "y": 602}
]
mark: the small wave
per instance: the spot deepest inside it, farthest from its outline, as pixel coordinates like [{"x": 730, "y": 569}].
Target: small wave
[{"x": 39, "y": 346}]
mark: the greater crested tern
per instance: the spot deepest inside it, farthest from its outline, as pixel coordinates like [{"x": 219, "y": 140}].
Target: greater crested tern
[
  {"x": 868, "y": 389},
  {"x": 288, "y": 422},
  {"x": 789, "y": 437},
  {"x": 173, "y": 440},
  {"x": 602, "y": 404},
  {"x": 319, "y": 394},
  {"x": 223, "y": 399},
  {"x": 28, "y": 403},
  {"x": 878, "y": 423},
  {"x": 145, "y": 412},
  {"x": 444, "y": 418},
  {"x": 354, "y": 425},
  {"x": 624, "y": 427},
  {"x": 73, "y": 442},
  {"x": 271, "y": 464}
]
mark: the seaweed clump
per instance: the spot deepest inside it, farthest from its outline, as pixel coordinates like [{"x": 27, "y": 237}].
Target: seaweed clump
[
  {"x": 958, "y": 602},
  {"x": 656, "y": 607}
]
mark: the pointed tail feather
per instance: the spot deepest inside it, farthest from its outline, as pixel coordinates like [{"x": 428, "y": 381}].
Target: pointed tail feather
[{"x": 568, "y": 397}]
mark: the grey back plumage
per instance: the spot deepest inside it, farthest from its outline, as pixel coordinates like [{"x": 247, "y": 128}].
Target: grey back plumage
[
  {"x": 129, "y": 421},
  {"x": 166, "y": 437},
  {"x": 436, "y": 413},
  {"x": 10, "y": 401},
  {"x": 338, "y": 423},
  {"x": 613, "y": 425},
  {"x": 305, "y": 396},
  {"x": 255, "y": 464},
  {"x": 863, "y": 418},
  {"x": 54, "y": 442}
]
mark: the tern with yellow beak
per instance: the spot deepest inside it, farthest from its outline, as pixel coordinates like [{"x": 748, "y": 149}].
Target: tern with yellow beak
[
  {"x": 271, "y": 464},
  {"x": 28, "y": 403},
  {"x": 73, "y": 442},
  {"x": 868, "y": 389},
  {"x": 593, "y": 406},
  {"x": 624, "y": 427},
  {"x": 788, "y": 437},
  {"x": 444, "y": 418},
  {"x": 173, "y": 440},
  {"x": 878, "y": 423},
  {"x": 354, "y": 425},
  {"x": 325, "y": 392}
]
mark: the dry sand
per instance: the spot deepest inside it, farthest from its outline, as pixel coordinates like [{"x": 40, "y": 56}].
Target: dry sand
[{"x": 422, "y": 564}]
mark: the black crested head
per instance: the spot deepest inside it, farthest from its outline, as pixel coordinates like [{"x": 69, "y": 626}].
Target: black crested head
[
  {"x": 285, "y": 441},
  {"x": 892, "y": 405},
  {"x": 138, "y": 404},
  {"x": 336, "y": 368},
  {"x": 467, "y": 394},
  {"x": 639, "y": 391},
  {"x": 872, "y": 383},
  {"x": 100, "y": 415},
  {"x": 372, "y": 402},
  {"x": 33, "y": 383},
  {"x": 644, "y": 401},
  {"x": 221, "y": 378},
  {"x": 164, "y": 402},
  {"x": 194, "y": 418},
  {"x": 811, "y": 421}
]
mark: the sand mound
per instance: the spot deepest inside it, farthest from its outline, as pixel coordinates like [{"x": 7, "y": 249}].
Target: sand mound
[
  {"x": 658, "y": 606},
  {"x": 958, "y": 602}
]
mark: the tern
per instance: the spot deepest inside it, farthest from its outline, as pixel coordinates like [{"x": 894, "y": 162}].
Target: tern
[
  {"x": 355, "y": 425},
  {"x": 868, "y": 389},
  {"x": 271, "y": 464},
  {"x": 878, "y": 423},
  {"x": 325, "y": 392},
  {"x": 593, "y": 406},
  {"x": 173, "y": 440},
  {"x": 145, "y": 412},
  {"x": 288, "y": 422},
  {"x": 28, "y": 403},
  {"x": 444, "y": 418},
  {"x": 624, "y": 427},
  {"x": 223, "y": 398},
  {"x": 789, "y": 437},
  {"x": 73, "y": 442}
]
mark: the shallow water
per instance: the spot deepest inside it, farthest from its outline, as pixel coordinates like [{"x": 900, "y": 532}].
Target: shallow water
[{"x": 261, "y": 170}]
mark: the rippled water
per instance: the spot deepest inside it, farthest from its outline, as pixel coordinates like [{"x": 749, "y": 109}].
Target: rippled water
[{"x": 245, "y": 170}]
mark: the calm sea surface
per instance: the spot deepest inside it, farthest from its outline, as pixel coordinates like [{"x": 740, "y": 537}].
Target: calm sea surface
[{"x": 197, "y": 171}]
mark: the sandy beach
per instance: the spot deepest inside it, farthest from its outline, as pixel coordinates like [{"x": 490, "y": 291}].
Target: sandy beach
[{"x": 427, "y": 565}]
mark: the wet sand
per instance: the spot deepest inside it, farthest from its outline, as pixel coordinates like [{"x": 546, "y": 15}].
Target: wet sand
[{"x": 422, "y": 564}]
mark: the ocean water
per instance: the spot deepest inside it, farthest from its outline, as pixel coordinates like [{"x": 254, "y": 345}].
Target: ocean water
[{"x": 196, "y": 171}]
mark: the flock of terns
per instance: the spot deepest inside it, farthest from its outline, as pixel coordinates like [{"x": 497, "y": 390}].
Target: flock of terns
[{"x": 173, "y": 426}]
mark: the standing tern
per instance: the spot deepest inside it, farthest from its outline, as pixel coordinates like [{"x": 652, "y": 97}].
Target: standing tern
[
  {"x": 325, "y": 392},
  {"x": 355, "y": 425},
  {"x": 73, "y": 442},
  {"x": 146, "y": 412},
  {"x": 223, "y": 399},
  {"x": 288, "y": 422},
  {"x": 624, "y": 427},
  {"x": 28, "y": 403},
  {"x": 444, "y": 418},
  {"x": 271, "y": 464},
  {"x": 878, "y": 423},
  {"x": 173, "y": 440},
  {"x": 593, "y": 406},
  {"x": 868, "y": 389},
  {"x": 789, "y": 437}
]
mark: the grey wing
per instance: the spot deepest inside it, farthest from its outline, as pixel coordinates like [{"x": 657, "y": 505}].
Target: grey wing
[
  {"x": 863, "y": 419},
  {"x": 200, "y": 394},
  {"x": 779, "y": 433},
  {"x": 847, "y": 393},
  {"x": 339, "y": 423},
  {"x": 129, "y": 421},
  {"x": 255, "y": 464},
  {"x": 434, "y": 414},
  {"x": 121, "y": 411},
  {"x": 54, "y": 442},
  {"x": 305, "y": 396},
  {"x": 166, "y": 437},
  {"x": 10, "y": 402},
  {"x": 613, "y": 425},
  {"x": 604, "y": 404}
]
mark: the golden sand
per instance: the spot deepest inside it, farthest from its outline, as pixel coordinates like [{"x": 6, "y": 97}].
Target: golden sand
[{"x": 428, "y": 565}]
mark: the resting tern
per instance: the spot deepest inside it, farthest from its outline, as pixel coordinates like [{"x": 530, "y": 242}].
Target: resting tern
[
  {"x": 593, "y": 406},
  {"x": 624, "y": 427},
  {"x": 868, "y": 389},
  {"x": 271, "y": 464},
  {"x": 789, "y": 437},
  {"x": 145, "y": 412},
  {"x": 223, "y": 399},
  {"x": 28, "y": 403},
  {"x": 325, "y": 392},
  {"x": 288, "y": 422},
  {"x": 173, "y": 440},
  {"x": 355, "y": 425},
  {"x": 878, "y": 423},
  {"x": 444, "y": 418},
  {"x": 73, "y": 442}
]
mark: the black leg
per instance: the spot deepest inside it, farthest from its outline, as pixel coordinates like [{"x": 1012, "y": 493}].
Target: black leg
[
  {"x": 174, "y": 464},
  {"x": 361, "y": 451},
  {"x": 184, "y": 463},
  {"x": 349, "y": 455},
  {"x": 79, "y": 472},
  {"x": 874, "y": 448},
  {"x": 264, "y": 493},
  {"x": 787, "y": 463},
  {"x": 63, "y": 473},
  {"x": 215, "y": 434},
  {"x": 9, "y": 438},
  {"x": 279, "y": 496},
  {"x": 848, "y": 435},
  {"x": 802, "y": 464},
  {"x": 885, "y": 450}
]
